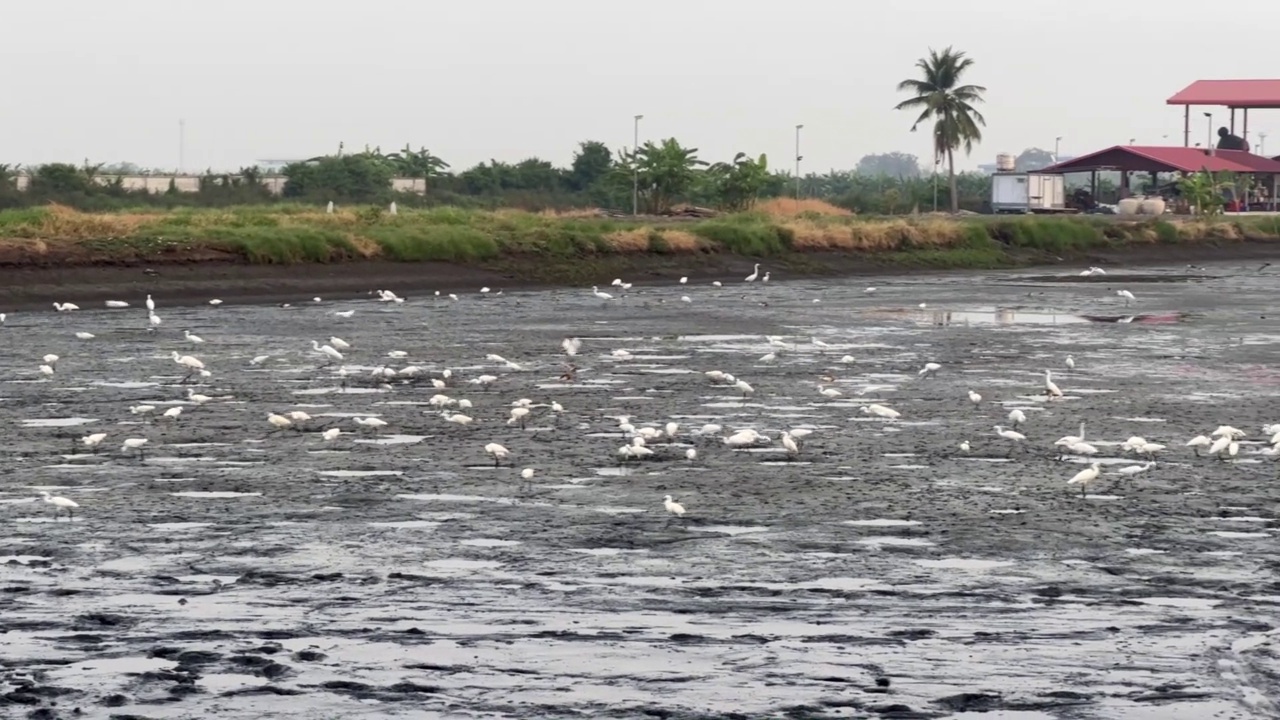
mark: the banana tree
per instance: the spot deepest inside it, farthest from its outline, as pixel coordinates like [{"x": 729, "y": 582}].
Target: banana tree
[
  {"x": 738, "y": 184},
  {"x": 1203, "y": 191},
  {"x": 664, "y": 172}
]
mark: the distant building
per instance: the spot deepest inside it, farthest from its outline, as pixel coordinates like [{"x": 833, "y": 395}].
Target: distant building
[{"x": 276, "y": 165}]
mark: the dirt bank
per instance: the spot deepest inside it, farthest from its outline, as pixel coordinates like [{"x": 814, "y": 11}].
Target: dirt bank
[{"x": 191, "y": 280}]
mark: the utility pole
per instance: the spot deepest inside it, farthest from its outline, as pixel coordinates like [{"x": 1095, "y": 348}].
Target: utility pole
[
  {"x": 799, "y": 157},
  {"x": 635, "y": 168},
  {"x": 1057, "y": 144},
  {"x": 182, "y": 144}
]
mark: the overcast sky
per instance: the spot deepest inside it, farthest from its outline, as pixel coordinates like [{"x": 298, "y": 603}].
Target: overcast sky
[{"x": 510, "y": 79}]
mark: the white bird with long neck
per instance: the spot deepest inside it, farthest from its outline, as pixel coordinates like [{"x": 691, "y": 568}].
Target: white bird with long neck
[
  {"x": 327, "y": 351},
  {"x": 1086, "y": 476},
  {"x": 60, "y": 504},
  {"x": 1050, "y": 388},
  {"x": 754, "y": 274}
]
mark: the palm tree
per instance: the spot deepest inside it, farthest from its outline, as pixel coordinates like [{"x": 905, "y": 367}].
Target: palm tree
[{"x": 940, "y": 96}]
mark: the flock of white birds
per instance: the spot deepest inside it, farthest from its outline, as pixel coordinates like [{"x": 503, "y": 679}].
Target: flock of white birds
[{"x": 1222, "y": 443}]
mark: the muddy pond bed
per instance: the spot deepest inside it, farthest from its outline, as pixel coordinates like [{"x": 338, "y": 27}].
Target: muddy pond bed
[{"x": 229, "y": 567}]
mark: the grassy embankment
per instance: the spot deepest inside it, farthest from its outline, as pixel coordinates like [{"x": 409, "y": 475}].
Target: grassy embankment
[{"x": 577, "y": 247}]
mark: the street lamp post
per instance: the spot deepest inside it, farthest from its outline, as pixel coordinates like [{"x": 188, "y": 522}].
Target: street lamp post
[
  {"x": 635, "y": 167},
  {"x": 1208, "y": 131},
  {"x": 799, "y": 157},
  {"x": 1057, "y": 144}
]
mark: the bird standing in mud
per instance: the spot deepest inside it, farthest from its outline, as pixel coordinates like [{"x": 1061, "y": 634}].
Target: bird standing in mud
[
  {"x": 1086, "y": 476},
  {"x": 60, "y": 504}
]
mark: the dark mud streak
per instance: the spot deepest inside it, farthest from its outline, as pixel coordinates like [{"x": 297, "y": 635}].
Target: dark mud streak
[
  {"x": 188, "y": 283},
  {"x": 576, "y": 596}
]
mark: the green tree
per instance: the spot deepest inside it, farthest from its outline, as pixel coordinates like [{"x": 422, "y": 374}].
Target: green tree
[
  {"x": 666, "y": 171},
  {"x": 418, "y": 163},
  {"x": 738, "y": 184},
  {"x": 591, "y": 164},
  {"x": 1033, "y": 159},
  {"x": 892, "y": 164},
  {"x": 365, "y": 177},
  {"x": 941, "y": 98}
]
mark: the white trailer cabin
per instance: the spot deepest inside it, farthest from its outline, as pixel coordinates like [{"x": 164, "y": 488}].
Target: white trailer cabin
[{"x": 1028, "y": 192}]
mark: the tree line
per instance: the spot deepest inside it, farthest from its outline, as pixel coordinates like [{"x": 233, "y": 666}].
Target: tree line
[
  {"x": 665, "y": 174},
  {"x": 653, "y": 178}
]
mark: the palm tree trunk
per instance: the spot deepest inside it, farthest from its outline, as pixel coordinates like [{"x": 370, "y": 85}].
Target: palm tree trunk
[{"x": 951, "y": 178}]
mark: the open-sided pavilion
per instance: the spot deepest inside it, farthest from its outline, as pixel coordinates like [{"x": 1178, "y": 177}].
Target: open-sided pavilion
[
  {"x": 1130, "y": 159},
  {"x": 1244, "y": 95}
]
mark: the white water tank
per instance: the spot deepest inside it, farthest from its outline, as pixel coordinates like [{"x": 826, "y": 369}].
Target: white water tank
[{"x": 1006, "y": 162}]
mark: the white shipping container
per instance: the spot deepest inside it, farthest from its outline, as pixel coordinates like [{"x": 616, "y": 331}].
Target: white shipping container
[{"x": 1027, "y": 192}]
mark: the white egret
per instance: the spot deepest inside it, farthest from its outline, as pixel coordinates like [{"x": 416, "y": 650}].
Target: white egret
[
  {"x": 1128, "y": 296},
  {"x": 192, "y": 338},
  {"x": 1071, "y": 363},
  {"x": 1050, "y": 387},
  {"x": 1220, "y": 445},
  {"x": 326, "y": 350},
  {"x": 369, "y": 422},
  {"x": 1198, "y": 442},
  {"x": 789, "y": 443},
  {"x": 1086, "y": 476},
  {"x": 881, "y": 411},
  {"x": 602, "y": 295},
  {"x": 498, "y": 452},
  {"x": 215, "y": 302},
  {"x": 65, "y": 307},
  {"x": 929, "y": 370},
  {"x": 172, "y": 413},
  {"x": 117, "y": 304},
  {"x": 964, "y": 446},
  {"x": 92, "y": 441},
  {"x": 684, "y": 279},
  {"x": 754, "y": 274},
  {"x": 135, "y": 444},
  {"x": 1012, "y": 435},
  {"x": 1017, "y": 417},
  {"x": 339, "y": 344},
  {"x": 279, "y": 422},
  {"x": 85, "y": 336},
  {"x": 1131, "y": 470},
  {"x": 974, "y": 397},
  {"x": 571, "y": 346},
  {"x": 151, "y": 304},
  {"x": 672, "y": 506},
  {"x": 691, "y": 454},
  {"x": 59, "y": 504},
  {"x": 331, "y": 434}
]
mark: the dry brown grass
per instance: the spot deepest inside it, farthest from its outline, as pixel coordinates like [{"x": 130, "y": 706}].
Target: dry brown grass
[
  {"x": 39, "y": 247},
  {"x": 572, "y": 213},
  {"x": 64, "y": 223},
  {"x": 629, "y": 241},
  {"x": 1206, "y": 230},
  {"x": 783, "y": 207},
  {"x": 682, "y": 241},
  {"x": 365, "y": 248},
  {"x": 874, "y": 235}
]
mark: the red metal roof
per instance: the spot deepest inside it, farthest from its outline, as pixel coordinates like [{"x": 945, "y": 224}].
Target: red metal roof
[
  {"x": 1230, "y": 93},
  {"x": 1148, "y": 158}
]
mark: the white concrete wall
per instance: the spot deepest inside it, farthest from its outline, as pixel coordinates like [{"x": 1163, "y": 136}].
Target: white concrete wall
[{"x": 191, "y": 183}]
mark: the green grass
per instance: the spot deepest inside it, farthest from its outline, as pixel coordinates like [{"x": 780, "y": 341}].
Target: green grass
[{"x": 294, "y": 234}]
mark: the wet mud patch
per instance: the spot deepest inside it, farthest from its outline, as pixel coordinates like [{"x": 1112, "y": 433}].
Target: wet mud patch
[{"x": 888, "y": 567}]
